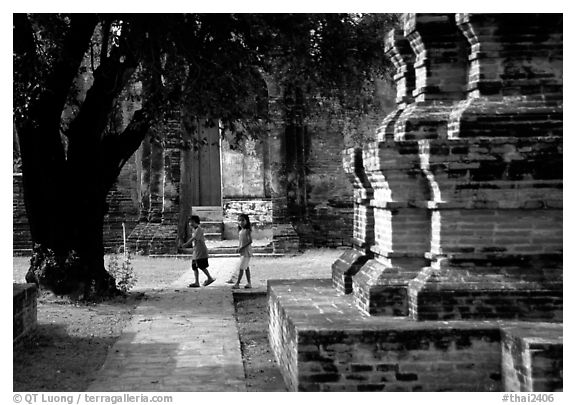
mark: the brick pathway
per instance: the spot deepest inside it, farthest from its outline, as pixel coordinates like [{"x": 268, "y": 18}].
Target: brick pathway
[{"x": 184, "y": 339}]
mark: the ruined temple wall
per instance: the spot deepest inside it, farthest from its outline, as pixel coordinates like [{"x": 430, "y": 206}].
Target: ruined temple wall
[
  {"x": 245, "y": 187},
  {"x": 123, "y": 207},
  {"x": 329, "y": 203},
  {"x": 329, "y": 210}
]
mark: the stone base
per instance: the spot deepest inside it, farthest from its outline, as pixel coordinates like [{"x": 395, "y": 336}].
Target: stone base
[
  {"x": 322, "y": 342},
  {"x": 24, "y": 321},
  {"x": 345, "y": 267},
  {"x": 284, "y": 238},
  {"x": 453, "y": 294},
  {"x": 532, "y": 359},
  {"x": 153, "y": 238},
  {"x": 260, "y": 230},
  {"x": 383, "y": 290}
]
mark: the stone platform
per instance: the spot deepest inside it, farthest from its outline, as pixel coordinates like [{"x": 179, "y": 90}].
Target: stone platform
[{"x": 323, "y": 342}]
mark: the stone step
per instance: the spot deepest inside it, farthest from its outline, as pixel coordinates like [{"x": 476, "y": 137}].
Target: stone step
[{"x": 22, "y": 252}]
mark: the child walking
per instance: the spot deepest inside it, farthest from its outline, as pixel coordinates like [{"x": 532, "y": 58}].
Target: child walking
[
  {"x": 199, "y": 252},
  {"x": 245, "y": 250}
]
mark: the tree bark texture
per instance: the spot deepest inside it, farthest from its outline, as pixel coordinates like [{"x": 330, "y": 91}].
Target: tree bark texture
[{"x": 65, "y": 191}]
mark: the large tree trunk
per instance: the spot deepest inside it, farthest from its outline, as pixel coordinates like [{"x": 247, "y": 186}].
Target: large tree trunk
[{"x": 65, "y": 193}]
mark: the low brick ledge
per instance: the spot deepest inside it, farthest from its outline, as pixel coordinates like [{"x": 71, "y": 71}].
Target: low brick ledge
[
  {"x": 323, "y": 342},
  {"x": 24, "y": 312}
]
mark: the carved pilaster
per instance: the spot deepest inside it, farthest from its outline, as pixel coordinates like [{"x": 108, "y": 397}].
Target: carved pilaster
[
  {"x": 348, "y": 264},
  {"x": 156, "y": 179},
  {"x": 440, "y": 68},
  {"x": 401, "y": 190},
  {"x": 398, "y": 49},
  {"x": 284, "y": 238}
]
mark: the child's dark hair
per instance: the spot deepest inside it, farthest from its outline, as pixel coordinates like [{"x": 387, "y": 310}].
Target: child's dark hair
[
  {"x": 248, "y": 225},
  {"x": 194, "y": 218}
]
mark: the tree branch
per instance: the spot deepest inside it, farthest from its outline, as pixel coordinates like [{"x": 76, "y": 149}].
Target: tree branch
[
  {"x": 105, "y": 38},
  {"x": 66, "y": 68},
  {"x": 24, "y": 42},
  {"x": 110, "y": 78},
  {"x": 117, "y": 149}
]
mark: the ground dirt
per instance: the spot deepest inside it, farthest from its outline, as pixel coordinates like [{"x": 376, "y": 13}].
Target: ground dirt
[
  {"x": 70, "y": 343},
  {"x": 260, "y": 367},
  {"x": 72, "y": 339}
]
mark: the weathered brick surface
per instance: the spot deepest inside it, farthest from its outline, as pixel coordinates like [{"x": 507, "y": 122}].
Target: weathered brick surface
[
  {"x": 21, "y": 241},
  {"x": 345, "y": 267},
  {"x": 381, "y": 287},
  {"x": 24, "y": 312},
  {"x": 478, "y": 203},
  {"x": 363, "y": 233},
  {"x": 324, "y": 206},
  {"x": 324, "y": 343},
  {"x": 532, "y": 358},
  {"x": 259, "y": 210}
]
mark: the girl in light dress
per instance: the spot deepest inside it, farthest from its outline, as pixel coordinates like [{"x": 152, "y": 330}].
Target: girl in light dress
[{"x": 245, "y": 250}]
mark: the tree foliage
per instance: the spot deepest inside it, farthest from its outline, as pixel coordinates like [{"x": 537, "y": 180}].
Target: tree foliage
[{"x": 71, "y": 71}]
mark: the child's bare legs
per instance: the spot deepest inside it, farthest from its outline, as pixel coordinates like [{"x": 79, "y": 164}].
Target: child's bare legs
[
  {"x": 240, "y": 274},
  {"x": 249, "y": 283},
  {"x": 209, "y": 278},
  {"x": 196, "y": 282}
]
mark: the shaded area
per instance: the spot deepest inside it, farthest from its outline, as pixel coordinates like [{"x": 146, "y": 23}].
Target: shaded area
[{"x": 70, "y": 343}]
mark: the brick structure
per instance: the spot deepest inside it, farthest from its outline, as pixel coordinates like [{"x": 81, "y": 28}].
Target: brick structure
[
  {"x": 21, "y": 244},
  {"x": 24, "y": 321},
  {"x": 157, "y": 182},
  {"x": 464, "y": 287},
  {"x": 352, "y": 260}
]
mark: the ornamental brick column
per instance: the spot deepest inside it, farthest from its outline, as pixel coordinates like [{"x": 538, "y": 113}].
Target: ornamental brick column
[
  {"x": 347, "y": 265},
  {"x": 284, "y": 237},
  {"x": 156, "y": 178},
  {"x": 151, "y": 235},
  {"x": 397, "y": 48},
  {"x": 401, "y": 190},
  {"x": 440, "y": 67},
  {"x": 497, "y": 217},
  {"x": 143, "y": 178}
]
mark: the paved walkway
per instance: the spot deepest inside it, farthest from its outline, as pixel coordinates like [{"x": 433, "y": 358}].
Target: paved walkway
[
  {"x": 185, "y": 339},
  {"x": 179, "y": 339}
]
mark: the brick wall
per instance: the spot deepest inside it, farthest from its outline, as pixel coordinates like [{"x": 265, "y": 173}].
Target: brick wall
[
  {"x": 532, "y": 359},
  {"x": 21, "y": 242},
  {"x": 24, "y": 306},
  {"x": 323, "y": 344},
  {"x": 243, "y": 170},
  {"x": 329, "y": 195},
  {"x": 259, "y": 212}
]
